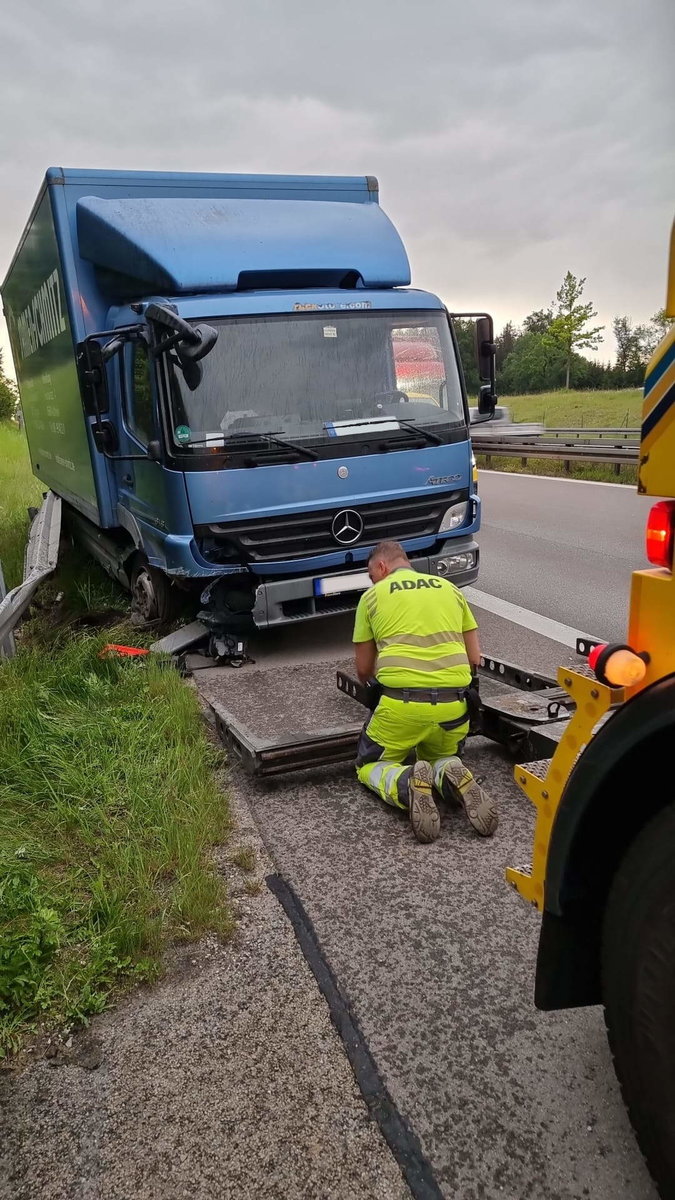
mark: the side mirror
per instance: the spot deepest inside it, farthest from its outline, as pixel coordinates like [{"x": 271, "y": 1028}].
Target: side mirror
[
  {"x": 93, "y": 379},
  {"x": 154, "y": 451},
  {"x": 486, "y": 352},
  {"x": 191, "y": 342},
  {"x": 485, "y": 348},
  {"x": 192, "y": 373},
  {"x": 193, "y": 350},
  {"x": 487, "y": 401}
]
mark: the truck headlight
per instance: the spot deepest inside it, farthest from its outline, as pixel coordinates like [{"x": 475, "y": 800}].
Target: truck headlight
[
  {"x": 456, "y": 563},
  {"x": 454, "y": 516}
]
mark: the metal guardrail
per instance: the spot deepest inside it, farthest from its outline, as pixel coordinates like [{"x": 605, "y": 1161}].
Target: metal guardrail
[
  {"x": 624, "y": 434},
  {"x": 42, "y": 554},
  {"x": 8, "y": 645},
  {"x": 614, "y": 447}
]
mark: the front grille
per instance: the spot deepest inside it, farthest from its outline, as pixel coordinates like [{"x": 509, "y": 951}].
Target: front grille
[{"x": 305, "y": 535}]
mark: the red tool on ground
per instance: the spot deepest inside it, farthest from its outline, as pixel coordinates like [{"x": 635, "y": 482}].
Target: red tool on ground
[{"x": 123, "y": 651}]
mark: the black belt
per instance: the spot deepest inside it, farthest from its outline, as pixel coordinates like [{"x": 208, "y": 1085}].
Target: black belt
[{"x": 426, "y": 695}]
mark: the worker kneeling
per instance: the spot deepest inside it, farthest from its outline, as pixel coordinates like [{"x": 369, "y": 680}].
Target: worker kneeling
[{"x": 417, "y": 635}]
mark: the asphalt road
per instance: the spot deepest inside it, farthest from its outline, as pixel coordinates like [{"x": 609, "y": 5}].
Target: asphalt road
[
  {"x": 562, "y": 548},
  {"x": 433, "y": 952}
]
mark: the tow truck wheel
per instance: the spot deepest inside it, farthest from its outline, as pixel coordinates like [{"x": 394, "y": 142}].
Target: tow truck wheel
[
  {"x": 638, "y": 964},
  {"x": 152, "y": 596}
]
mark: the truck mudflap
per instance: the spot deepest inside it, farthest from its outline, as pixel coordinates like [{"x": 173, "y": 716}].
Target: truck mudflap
[{"x": 544, "y": 781}]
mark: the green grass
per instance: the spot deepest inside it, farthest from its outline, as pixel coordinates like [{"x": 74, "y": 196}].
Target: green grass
[
  {"x": 109, "y": 803},
  {"x": 573, "y": 410},
  {"x": 18, "y": 490},
  {"x": 244, "y": 858}
]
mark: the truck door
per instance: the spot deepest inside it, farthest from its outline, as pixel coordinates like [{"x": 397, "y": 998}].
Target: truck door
[{"x": 142, "y": 483}]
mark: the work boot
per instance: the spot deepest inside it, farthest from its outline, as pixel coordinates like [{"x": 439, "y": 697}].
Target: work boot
[
  {"x": 459, "y": 785},
  {"x": 424, "y": 818}
]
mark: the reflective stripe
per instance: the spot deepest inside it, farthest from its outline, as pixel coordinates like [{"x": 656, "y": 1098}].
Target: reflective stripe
[
  {"x": 388, "y": 780},
  {"x": 384, "y": 776},
  {"x": 422, "y": 639},
  {"x": 422, "y": 664}
]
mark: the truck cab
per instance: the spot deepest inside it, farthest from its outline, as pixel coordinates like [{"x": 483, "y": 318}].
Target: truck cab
[{"x": 248, "y": 391}]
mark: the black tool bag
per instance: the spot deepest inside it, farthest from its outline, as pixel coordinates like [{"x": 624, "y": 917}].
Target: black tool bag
[
  {"x": 473, "y": 703},
  {"x": 373, "y": 694}
]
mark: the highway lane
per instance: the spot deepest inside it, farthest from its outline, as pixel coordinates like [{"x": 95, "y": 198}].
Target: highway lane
[{"x": 562, "y": 548}]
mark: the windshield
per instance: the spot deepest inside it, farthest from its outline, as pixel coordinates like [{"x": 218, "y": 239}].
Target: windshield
[{"x": 316, "y": 376}]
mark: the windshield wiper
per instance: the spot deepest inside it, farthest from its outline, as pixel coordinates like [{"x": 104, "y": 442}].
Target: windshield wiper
[
  {"x": 274, "y": 440},
  {"x": 251, "y": 436},
  {"x": 432, "y": 438}
]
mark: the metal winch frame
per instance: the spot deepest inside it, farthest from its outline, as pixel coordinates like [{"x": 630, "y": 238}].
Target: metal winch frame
[{"x": 528, "y": 718}]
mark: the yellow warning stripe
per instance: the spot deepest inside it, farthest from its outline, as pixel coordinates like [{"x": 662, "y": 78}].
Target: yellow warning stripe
[
  {"x": 661, "y": 427},
  {"x": 658, "y": 391}
]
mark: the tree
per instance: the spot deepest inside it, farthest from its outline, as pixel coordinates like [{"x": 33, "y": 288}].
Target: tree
[
  {"x": 567, "y": 330},
  {"x": 534, "y": 365},
  {"x": 633, "y": 348},
  {"x": 9, "y": 397},
  {"x": 657, "y": 329},
  {"x": 505, "y": 342},
  {"x": 538, "y": 321},
  {"x": 661, "y": 322}
]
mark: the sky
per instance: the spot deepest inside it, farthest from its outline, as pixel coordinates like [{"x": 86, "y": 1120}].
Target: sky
[{"x": 513, "y": 139}]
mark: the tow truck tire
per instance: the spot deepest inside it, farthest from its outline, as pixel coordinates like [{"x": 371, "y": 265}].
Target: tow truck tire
[
  {"x": 153, "y": 598},
  {"x": 638, "y": 976}
]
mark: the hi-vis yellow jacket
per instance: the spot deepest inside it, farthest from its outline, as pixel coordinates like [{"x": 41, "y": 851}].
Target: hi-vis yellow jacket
[{"x": 417, "y": 622}]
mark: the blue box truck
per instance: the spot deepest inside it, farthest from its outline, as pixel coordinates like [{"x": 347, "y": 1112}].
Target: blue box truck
[{"x": 234, "y": 390}]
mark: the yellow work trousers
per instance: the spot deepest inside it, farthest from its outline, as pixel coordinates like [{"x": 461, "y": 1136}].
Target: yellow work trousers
[{"x": 397, "y": 734}]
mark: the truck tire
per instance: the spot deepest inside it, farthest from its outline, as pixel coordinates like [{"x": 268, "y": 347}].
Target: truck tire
[
  {"x": 153, "y": 597},
  {"x": 638, "y": 979}
]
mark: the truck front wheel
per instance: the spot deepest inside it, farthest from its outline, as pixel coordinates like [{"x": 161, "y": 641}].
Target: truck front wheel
[
  {"x": 638, "y": 964},
  {"x": 153, "y": 597}
]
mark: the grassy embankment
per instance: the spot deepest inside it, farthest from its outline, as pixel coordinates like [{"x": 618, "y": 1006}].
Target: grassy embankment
[
  {"x": 109, "y": 802},
  {"x": 572, "y": 410}
]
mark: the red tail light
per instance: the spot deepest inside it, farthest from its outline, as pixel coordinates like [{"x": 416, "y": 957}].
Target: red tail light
[{"x": 661, "y": 534}]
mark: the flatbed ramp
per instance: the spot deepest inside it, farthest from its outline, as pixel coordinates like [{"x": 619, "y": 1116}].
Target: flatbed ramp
[{"x": 303, "y": 716}]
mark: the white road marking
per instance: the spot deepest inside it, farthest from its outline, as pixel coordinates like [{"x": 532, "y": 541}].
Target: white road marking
[
  {"x": 536, "y": 622},
  {"x": 554, "y": 478}
]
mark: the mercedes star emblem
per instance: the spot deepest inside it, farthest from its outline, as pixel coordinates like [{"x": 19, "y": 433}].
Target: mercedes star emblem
[{"x": 347, "y": 527}]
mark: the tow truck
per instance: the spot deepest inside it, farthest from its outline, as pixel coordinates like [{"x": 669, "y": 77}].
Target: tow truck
[{"x": 603, "y": 862}]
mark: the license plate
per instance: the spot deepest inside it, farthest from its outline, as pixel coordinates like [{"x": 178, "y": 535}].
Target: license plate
[{"x": 332, "y": 585}]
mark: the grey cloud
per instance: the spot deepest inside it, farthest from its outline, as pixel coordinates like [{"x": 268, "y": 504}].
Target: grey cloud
[{"x": 512, "y": 140}]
